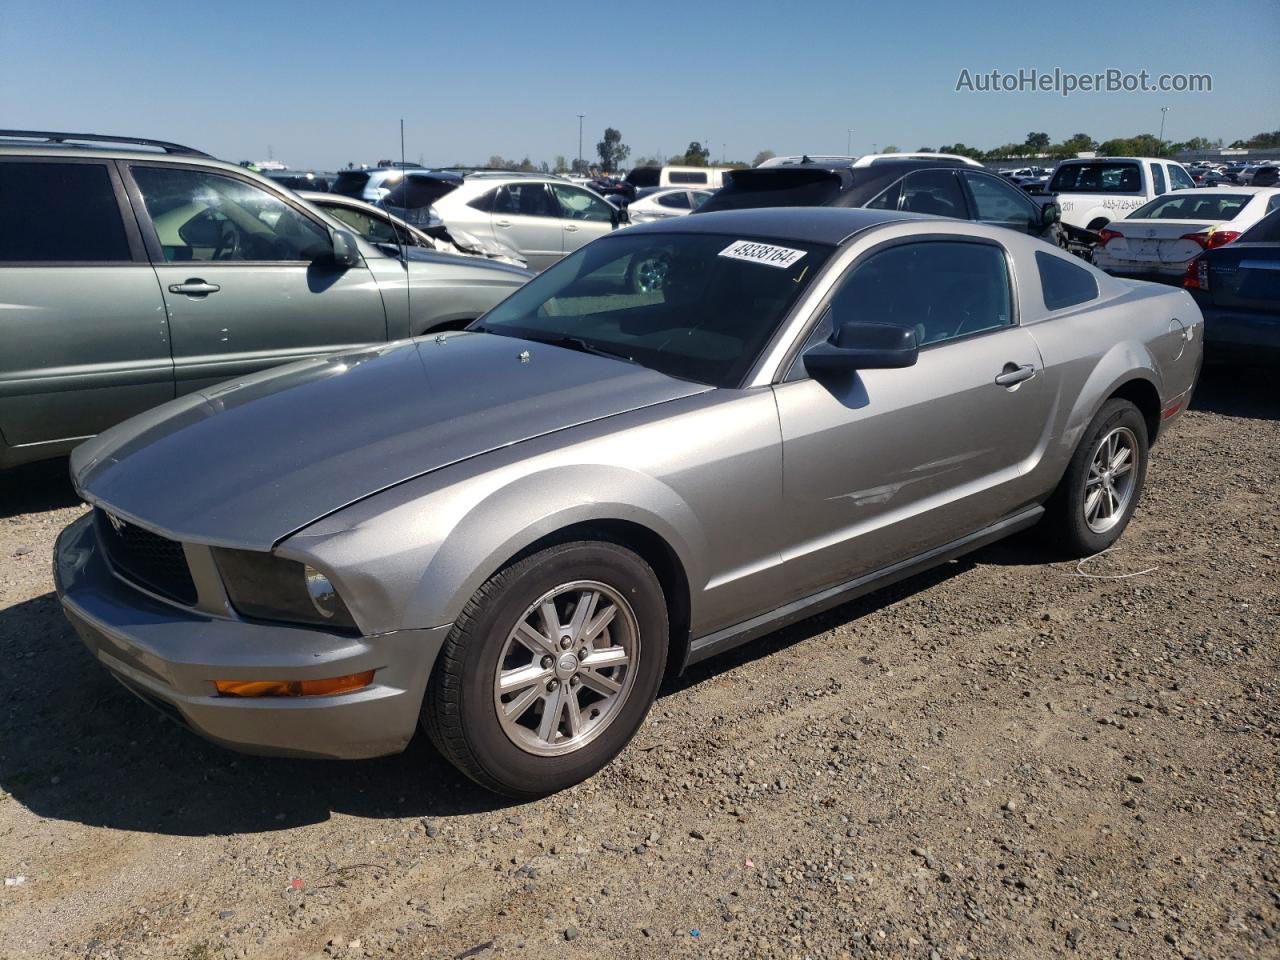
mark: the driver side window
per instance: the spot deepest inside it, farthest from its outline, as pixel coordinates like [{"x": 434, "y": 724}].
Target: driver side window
[
  {"x": 941, "y": 289},
  {"x": 200, "y": 216},
  {"x": 577, "y": 204}
]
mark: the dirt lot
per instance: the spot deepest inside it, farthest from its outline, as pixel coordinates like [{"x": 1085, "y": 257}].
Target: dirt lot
[{"x": 1002, "y": 758}]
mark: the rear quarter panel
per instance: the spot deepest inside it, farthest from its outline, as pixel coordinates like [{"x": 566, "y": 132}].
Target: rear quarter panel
[{"x": 1134, "y": 331}]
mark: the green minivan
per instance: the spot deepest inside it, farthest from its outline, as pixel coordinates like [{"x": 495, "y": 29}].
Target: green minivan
[{"x": 135, "y": 271}]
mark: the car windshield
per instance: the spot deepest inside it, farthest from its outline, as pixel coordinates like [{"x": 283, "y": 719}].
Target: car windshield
[
  {"x": 696, "y": 306},
  {"x": 1200, "y": 206}
]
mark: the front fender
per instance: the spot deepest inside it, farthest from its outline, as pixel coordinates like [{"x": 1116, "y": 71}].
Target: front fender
[
  {"x": 511, "y": 518},
  {"x": 417, "y": 553}
]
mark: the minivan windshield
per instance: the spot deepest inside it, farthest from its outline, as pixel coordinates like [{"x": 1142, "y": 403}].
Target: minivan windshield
[{"x": 696, "y": 306}]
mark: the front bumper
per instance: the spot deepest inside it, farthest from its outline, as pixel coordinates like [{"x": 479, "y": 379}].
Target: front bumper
[{"x": 171, "y": 656}]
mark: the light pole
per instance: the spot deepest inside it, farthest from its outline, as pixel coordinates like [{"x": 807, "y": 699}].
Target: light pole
[
  {"x": 580, "y": 116},
  {"x": 1163, "y": 111},
  {"x": 848, "y": 143}
]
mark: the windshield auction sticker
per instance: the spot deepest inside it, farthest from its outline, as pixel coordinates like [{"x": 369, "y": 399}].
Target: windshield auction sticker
[{"x": 765, "y": 253}]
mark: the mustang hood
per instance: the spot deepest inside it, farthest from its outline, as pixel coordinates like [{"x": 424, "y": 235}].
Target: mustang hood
[{"x": 251, "y": 461}]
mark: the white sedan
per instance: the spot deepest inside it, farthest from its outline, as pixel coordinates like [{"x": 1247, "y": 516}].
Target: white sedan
[
  {"x": 665, "y": 202},
  {"x": 1164, "y": 235}
]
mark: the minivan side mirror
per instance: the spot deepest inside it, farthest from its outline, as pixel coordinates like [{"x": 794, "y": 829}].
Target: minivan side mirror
[
  {"x": 863, "y": 346},
  {"x": 1050, "y": 214},
  {"x": 346, "y": 252}
]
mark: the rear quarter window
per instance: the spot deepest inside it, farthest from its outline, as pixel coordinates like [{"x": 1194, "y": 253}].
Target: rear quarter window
[
  {"x": 1062, "y": 283},
  {"x": 60, "y": 213}
]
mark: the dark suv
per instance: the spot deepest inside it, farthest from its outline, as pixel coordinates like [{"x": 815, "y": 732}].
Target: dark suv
[{"x": 942, "y": 186}]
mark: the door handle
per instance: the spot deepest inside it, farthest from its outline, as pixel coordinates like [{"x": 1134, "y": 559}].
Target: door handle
[
  {"x": 1014, "y": 374},
  {"x": 502, "y": 223},
  {"x": 570, "y": 228},
  {"x": 195, "y": 287}
]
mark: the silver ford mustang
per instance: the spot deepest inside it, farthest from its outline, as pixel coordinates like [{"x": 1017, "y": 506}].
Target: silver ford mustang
[{"x": 509, "y": 534}]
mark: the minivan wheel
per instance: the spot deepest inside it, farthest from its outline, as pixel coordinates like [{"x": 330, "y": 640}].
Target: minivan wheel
[
  {"x": 550, "y": 669},
  {"x": 1103, "y": 482}
]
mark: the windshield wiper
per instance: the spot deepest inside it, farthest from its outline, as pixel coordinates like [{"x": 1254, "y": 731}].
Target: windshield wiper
[{"x": 581, "y": 345}]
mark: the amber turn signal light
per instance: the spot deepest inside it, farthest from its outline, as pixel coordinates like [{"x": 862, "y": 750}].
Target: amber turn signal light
[{"x": 294, "y": 688}]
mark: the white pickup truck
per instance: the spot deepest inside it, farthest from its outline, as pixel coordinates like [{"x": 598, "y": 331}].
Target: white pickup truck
[{"x": 1091, "y": 193}]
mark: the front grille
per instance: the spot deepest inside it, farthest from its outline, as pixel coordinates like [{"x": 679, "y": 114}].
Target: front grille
[{"x": 146, "y": 558}]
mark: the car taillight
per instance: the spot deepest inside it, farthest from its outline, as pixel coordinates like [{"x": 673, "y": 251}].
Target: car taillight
[
  {"x": 1196, "y": 276},
  {"x": 1212, "y": 239},
  {"x": 1106, "y": 236}
]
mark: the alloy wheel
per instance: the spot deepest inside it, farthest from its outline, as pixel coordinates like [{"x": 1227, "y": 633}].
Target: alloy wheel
[
  {"x": 1109, "y": 487},
  {"x": 566, "y": 668},
  {"x": 651, "y": 274}
]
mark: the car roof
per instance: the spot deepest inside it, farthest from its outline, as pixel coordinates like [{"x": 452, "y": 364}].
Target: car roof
[
  {"x": 43, "y": 149},
  {"x": 1227, "y": 188},
  {"x": 1109, "y": 159},
  {"x": 830, "y": 225}
]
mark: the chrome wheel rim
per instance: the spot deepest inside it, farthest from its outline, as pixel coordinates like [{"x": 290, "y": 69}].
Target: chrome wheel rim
[
  {"x": 1112, "y": 477},
  {"x": 566, "y": 668},
  {"x": 651, "y": 274}
]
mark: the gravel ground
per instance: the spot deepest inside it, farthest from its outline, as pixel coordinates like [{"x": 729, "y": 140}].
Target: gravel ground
[{"x": 1002, "y": 758}]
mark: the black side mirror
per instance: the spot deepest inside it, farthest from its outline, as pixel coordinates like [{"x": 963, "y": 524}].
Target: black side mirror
[
  {"x": 863, "y": 346},
  {"x": 346, "y": 252},
  {"x": 1050, "y": 214}
]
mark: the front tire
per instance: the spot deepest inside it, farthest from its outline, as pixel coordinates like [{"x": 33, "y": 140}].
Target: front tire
[
  {"x": 550, "y": 669},
  {"x": 1096, "y": 498}
]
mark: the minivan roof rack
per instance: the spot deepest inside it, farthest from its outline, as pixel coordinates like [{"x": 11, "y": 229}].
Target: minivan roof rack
[{"x": 48, "y": 136}]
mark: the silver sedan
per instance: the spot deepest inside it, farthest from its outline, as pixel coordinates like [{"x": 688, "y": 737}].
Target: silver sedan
[{"x": 510, "y": 534}]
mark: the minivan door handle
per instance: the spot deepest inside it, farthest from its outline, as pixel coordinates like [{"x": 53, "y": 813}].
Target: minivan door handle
[
  {"x": 502, "y": 223},
  {"x": 1014, "y": 374},
  {"x": 570, "y": 228},
  {"x": 195, "y": 287}
]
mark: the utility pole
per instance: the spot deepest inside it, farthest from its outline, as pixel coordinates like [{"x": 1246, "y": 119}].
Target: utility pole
[
  {"x": 580, "y": 116},
  {"x": 848, "y": 144},
  {"x": 1163, "y": 111}
]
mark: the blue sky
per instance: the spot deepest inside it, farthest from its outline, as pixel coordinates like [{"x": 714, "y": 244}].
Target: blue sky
[{"x": 324, "y": 83}]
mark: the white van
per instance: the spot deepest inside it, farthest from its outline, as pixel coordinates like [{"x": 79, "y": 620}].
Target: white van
[
  {"x": 709, "y": 177},
  {"x": 1091, "y": 193}
]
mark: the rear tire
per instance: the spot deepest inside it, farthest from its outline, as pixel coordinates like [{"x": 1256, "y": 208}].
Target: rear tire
[
  {"x": 512, "y": 702},
  {"x": 1100, "y": 490}
]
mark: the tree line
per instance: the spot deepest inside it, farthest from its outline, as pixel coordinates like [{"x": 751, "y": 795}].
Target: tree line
[{"x": 612, "y": 153}]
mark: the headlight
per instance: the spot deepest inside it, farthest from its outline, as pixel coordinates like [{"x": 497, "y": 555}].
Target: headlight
[
  {"x": 323, "y": 596},
  {"x": 266, "y": 587}
]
